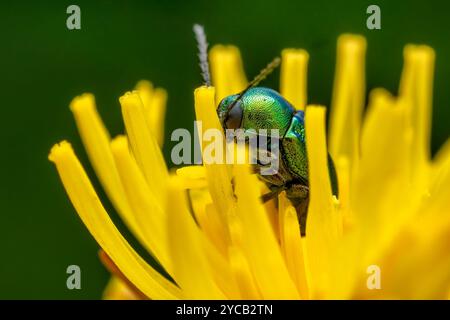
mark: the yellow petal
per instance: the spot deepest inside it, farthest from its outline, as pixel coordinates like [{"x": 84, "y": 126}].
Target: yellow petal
[
  {"x": 292, "y": 248},
  {"x": 192, "y": 177},
  {"x": 192, "y": 268},
  {"x": 205, "y": 108},
  {"x": 243, "y": 275},
  {"x": 145, "y": 90},
  {"x": 416, "y": 88},
  {"x": 437, "y": 201},
  {"x": 342, "y": 166},
  {"x": 323, "y": 225},
  {"x": 192, "y": 172},
  {"x": 143, "y": 143},
  {"x": 96, "y": 141},
  {"x": 440, "y": 188},
  {"x": 382, "y": 208},
  {"x": 154, "y": 101},
  {"x": 348, "y": 98},
  {"x": 227, "y": 71},
  {"x": 218, "y": 175},
  {"x": 259, "y": 241},
  {"x": 442, "y": 158},
  {"x": 209, "y": 220},
  {"x": 421, "y": 249},
  {"x": 158, "y": 108},
  {"x": 116, "y": 289},
  {"x": 221, "y": 271},
  {"x": 384, "y": 155},
  {"x": 217, "y": 233},
  {"x": 96, "y": 219},
  {"x": 147, "y": 209},
  {"x": 294, "y": 65}
]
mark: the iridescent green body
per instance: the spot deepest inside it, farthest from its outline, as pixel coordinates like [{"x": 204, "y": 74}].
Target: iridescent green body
[{"x": 263, "y": 108}]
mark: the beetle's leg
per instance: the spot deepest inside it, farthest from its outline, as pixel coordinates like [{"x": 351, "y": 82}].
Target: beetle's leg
[
  {"x": 302, "y": 214},
  {"x": 271, "y": 195},
  {"x": 299, "y": 196}
]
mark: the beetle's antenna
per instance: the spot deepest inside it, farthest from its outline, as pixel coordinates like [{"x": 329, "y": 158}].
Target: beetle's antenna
[
  {"x": 264, "y": 73},
  {"x": 260, "y": 77},
  {"x": 202, "y": 46}
]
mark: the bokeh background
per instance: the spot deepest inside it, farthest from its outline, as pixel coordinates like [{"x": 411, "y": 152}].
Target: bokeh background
[{"x": 44, "y": 65}]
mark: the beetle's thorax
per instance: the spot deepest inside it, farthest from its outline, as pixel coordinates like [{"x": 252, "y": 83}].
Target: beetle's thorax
[{"x": 265, "y": 108}]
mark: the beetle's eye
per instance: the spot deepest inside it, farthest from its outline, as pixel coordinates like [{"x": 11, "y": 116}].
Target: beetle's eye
[{"x": 234, "y": 118}]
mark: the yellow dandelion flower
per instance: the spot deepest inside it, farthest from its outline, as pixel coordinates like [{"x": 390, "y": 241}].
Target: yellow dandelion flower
[{"x": 387, "y": 236}]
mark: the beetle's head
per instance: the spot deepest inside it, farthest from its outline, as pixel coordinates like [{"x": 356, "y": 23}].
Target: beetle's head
[{"x": 230, "y": 112}]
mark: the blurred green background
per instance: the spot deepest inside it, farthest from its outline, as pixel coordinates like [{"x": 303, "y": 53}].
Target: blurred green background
[{"x": 44, "y": 65}]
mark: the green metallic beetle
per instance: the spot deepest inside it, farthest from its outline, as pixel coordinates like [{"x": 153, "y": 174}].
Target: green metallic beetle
[
  {"x": 257, "y": 108},
  {"x": 263, "y": 108}
]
